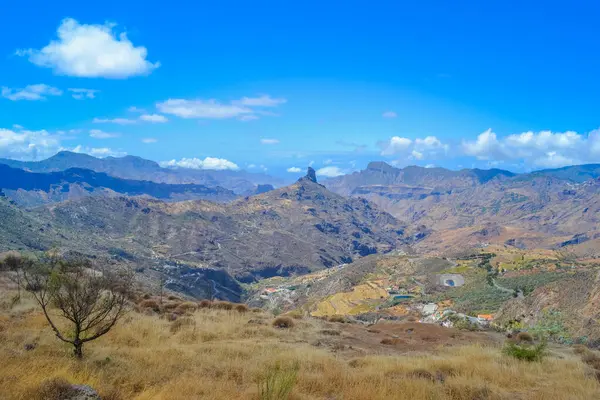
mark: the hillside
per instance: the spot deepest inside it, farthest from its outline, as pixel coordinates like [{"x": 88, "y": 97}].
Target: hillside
[
  {"x": 137, "y": 168},
  {"x": 295, "y": 229},
  {"x": 210, "y": 353},
  {"x": 540, "y": 203},
  {"x": 33, "y": 189}
]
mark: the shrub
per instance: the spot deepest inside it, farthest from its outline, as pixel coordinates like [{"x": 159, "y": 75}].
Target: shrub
[
  {"x": 151, "y": 304},
  {"x": 337, "y": 318},
  {"x": 222, "y": 305},
  {"x": 278, "y": 382},
  {"x": 525, "y": 352},
  {"x": 592, "y": 359},
  {"x": 296, "y": 314},
  {"x": 241, "y": 308},
  {"x": 53, "y": 389},
  {"x": 283, "y": 322},
  {"x": 466, "y": 325},
  {"x": 524, "y": 337},
  {"x": 205, "y": 304},
  {"x": 392, "y": 341},
  {"x": 185, "y": 307}
]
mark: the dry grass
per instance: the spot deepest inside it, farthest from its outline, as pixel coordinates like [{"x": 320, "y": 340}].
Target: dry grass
[
  {"x": 216, "y": 354},
  {"x": 283, "y": 322}
]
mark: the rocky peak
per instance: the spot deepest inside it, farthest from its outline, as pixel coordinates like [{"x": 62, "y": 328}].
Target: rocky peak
[{"x": 311, "y": 175}]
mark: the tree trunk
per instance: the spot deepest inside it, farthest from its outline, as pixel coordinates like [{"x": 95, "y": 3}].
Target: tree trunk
[{"x": 78, "y": 349}]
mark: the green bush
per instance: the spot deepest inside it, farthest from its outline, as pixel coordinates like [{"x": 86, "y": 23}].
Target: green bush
[
  {"x": 525, "y": 352},
  {"x": 278, "y": 382}
]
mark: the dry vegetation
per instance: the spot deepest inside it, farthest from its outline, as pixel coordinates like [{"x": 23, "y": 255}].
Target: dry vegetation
[{"x": 210, "y": 352}]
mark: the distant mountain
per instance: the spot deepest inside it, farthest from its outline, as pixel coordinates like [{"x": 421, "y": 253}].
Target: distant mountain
[
  {"x": 554, "y": 203},
  {"x": 574, "y": 173},
  {"x": 293, "y": 229},
  {"x": 131, "y": 167},
  {"x": 382, "y": 174},
  {"x": 33, "y": 189}
]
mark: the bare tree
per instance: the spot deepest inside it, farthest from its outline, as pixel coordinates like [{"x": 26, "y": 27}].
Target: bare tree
[
  {"x": 89, "y": 301},
  {"x": 15, "y": 264}
]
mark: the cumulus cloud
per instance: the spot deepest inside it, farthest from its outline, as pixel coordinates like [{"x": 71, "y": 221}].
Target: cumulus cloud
[
  {"x": 28, "y": 145},
  {"x": 118, "y": 121},
  {"x": 31, "y": 92},
  {"x": 149, "y": 140},
  {"x": 98, "y": 134},
  {"x": 269, "y": 141},
  {"x": 389, "y": 114},
  {"x": 294, "y": 170},
  {"x": 81, "y": 93},
  {"x": 543, "y": 149},
  {"x": 154, "y": 118},
  {"x": 418, "y": 149},
  {"x": 261, "y": 101},
  {"x": 100, "y": 152},
  {"x": 91, "y": 51},
  {"x": 196, "y": 163},
  {"x": 330, "y": 171}
]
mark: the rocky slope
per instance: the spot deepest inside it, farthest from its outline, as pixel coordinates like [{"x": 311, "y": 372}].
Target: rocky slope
[
  {"x": 294, "y": 229},
  {"x": 552, "y": 203}
]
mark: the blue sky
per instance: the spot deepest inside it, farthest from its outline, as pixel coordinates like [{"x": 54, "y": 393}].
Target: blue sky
[{"x": 274, "y": 86}]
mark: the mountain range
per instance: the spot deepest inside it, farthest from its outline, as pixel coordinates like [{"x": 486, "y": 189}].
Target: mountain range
[
  {"x": 136, "y": 168},
  {"x": 548, "y": 206},
  {"x": 33, "y": 189},
  {"x": 133, "y": 211}
]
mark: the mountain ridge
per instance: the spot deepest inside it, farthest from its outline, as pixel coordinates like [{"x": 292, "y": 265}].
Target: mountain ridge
[{"x": 137, "y": 168}]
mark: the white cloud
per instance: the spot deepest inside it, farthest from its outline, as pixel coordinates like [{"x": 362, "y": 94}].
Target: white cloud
[
  {"x": 330, "y": 172},
  {"x": 430, "y": 166},
  {"x": 98, "y": 134},
  {"x": 395, "y": 145},
  {"x": 196, "y": 163},
  {"x": 118, "y": 121},
  {"x": 135, "y": 109},
  {"x": 389, "y": 114},
  {"x": 269, "y": 141},
  {"x": 17, "y": 126},
  {"x": 201, "y": 109},
  {"x": 247, "y": 118},
  {"x": 543, "y": 149},
  {"x": 28, "y": 145},
  {"x": 31, "y": 92},
  {"x": 81, "y": 93},
  {"x": 261, "y": 101},
  {"x": 154, "y": 118},
  {"x": 418, "y": 149},
  {"x": 294, "y": 170},
  {"x": 149, "y": 140},
  {"x": 91, "y": 51},
  {"x": 97, "y": 151},
  {"x": 246, "y": 109}
]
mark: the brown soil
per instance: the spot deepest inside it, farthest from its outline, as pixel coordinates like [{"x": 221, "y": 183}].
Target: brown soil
[{"x": 399, "y": 338}]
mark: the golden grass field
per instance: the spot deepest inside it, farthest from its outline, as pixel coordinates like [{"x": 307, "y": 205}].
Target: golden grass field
[{"x": 217, "y": 354}]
